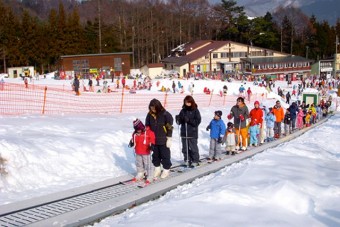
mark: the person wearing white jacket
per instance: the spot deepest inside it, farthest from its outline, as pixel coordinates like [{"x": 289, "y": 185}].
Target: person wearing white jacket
[{"x": 230, "y": 139}]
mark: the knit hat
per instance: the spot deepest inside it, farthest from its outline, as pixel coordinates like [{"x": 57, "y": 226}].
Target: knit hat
[
  {"x": 256, "y": 102},
  {"x": 230, "y": 125},
  {"x": 218, "y": 113},
  {"x": 138, "y": 125}
]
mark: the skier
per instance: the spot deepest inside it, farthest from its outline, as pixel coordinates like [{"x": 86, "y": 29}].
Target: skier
[
  {"x": 217, "y": 131},
  {"x": 240, "y": 113},
  {"x": 160, "y": 122},
  {"x": 143, "y": 140},
  {"x": 189, "y": 118}
]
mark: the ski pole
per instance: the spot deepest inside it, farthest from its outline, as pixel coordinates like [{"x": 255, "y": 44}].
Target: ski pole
[
  {"x": 239, "y": 134},
  {"x": 180, "y": 142},
  {"x": 186, "y": 139}
]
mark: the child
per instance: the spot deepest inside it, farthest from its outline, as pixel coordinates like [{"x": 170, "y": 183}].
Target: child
[
  {"x": 143, "y": 139},
  {"x": 318, "y": 112},
  {"x": 230, "y": 139},
  {"x": 253, "y": 133},
  {"x": 308, "y": 118},
  {"x": 287, "y": 122},
  {"x": 300, "y": 116},
  {"x": 270, "y": 120},
  {"x": 217, "y": 131},
  {"x": 263, "y": 131}
]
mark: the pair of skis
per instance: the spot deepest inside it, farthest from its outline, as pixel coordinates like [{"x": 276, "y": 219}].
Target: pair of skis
[{"x": 139, "y": 184}]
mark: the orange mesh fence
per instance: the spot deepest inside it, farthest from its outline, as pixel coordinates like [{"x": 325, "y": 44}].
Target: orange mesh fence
[{"x": 15, "y": 99}]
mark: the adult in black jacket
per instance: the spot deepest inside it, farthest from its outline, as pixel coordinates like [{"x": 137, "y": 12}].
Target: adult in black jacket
[
  {"x": 160, "y": 122},
  {"x": 189, "y": 118},
  {"x": 293, "y": 110}
]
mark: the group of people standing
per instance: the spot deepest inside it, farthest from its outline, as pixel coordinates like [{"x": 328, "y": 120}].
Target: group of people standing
[{"x": 155, "y": 136}]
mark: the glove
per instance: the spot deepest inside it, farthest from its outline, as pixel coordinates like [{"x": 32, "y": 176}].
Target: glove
[
  {"x": 241, "y": 117},
  {"x": 208, "y": 127},
  {"x": 186, "y": 119},
  {"x": 229, "y": 116},
  {"x": 178, "y": 119},
  {"x": 168, "y": 142},
  {"x": 131, "y": 144},
  {"x": 219, "y": 140},
  {"x": 152, "y": 147}
]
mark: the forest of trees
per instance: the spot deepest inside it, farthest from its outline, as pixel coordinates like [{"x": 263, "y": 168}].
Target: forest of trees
[{"x": 38, "y": 32}]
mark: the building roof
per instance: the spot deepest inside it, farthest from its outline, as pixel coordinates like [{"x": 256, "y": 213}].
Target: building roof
[
  {"x": 92, "y": 55},
  {"x": 283, "y": 59},
  {"x": 208, "y": 46}
]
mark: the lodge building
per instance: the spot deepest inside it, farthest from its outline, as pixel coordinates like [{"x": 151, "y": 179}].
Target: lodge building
[
  {"x": 106, "y": 63},
  {"x": 228, "y": 57}
]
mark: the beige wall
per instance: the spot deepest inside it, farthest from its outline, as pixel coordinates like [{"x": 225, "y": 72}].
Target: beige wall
[
  {"x": 234, "y": 47},
  {"x": 19, "y": 70},
  {"x": 151, "y": 72}
]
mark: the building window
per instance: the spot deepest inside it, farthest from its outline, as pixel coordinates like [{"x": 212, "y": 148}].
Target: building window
[
  {"x": 224, "y": 55},
  {"x": 118, "y": 64},
  {"x": 215, "y": 55}
]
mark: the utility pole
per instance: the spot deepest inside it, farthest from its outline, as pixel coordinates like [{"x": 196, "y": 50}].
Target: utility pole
[
  {"x": 336, "y": 54},
  {"x": 99, "y": 27}
]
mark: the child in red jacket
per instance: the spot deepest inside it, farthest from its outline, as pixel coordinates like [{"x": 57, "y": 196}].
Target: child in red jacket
[{"x": 143, "y": 139}]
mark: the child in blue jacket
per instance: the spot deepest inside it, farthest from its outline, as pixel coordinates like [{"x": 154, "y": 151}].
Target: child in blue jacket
[
  {"x": 270, "y": 120},
  {"x": 217, "y": 130}
]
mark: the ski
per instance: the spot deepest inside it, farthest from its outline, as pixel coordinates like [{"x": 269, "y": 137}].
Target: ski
[{"x": 132, "y": 182}]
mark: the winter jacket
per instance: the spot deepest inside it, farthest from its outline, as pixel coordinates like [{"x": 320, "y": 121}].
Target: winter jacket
[
  {"x": 256, "y": 115},
  {"x": 287, "y": 118},
  {"x": 293, "y": 109},
  {"x": 143, "y": 141},
  {"x": 230, "y": 138},
  {"x": 270, "y": 119},
  {"x": 193, "y": 117},
  {"x": 279, "y": 113},
  {"x": 312, "y": 108},
  {"x": 217, "y": 128},
  {"x": 236, "y": 111},
  {"x": 161, "y": 125}
]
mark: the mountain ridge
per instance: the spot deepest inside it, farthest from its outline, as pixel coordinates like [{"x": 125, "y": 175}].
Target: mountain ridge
[{"x": 323, "y": 10}]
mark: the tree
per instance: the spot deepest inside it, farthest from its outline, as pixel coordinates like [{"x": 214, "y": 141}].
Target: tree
[{"x": 226, "y": 14}]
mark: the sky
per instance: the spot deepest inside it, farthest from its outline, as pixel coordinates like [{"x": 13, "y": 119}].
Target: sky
[{"x": 295, "y": 184}]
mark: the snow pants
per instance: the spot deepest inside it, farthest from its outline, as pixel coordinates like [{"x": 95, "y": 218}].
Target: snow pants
[
  {"x": 191, "y": 150},
  {"x": 215, "y": 149},
  {"x": 144, "y": 164},
  {"x": 161, "y": 155},
  {"x": 277, "y": 128},
  {"x": 293, "y": 122},
  {"x": 288, "y": 129},
  {"x": 242, "y": 137},
  {"x": 270, "y": 133}
]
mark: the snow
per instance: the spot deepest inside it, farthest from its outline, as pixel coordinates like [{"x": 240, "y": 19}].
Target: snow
[{"x": 294, "y": 184}]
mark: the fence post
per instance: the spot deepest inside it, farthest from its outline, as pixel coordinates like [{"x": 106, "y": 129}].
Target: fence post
[
  {"x": 44, "y": 103},
  {"x": 211, "y": 94},
  {"x": 165, "y": 99},
  {"x": 122, "y": 101}
]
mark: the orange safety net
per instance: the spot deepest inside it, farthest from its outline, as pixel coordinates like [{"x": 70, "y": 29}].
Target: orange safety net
[{"x": 16, "y": 99}]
